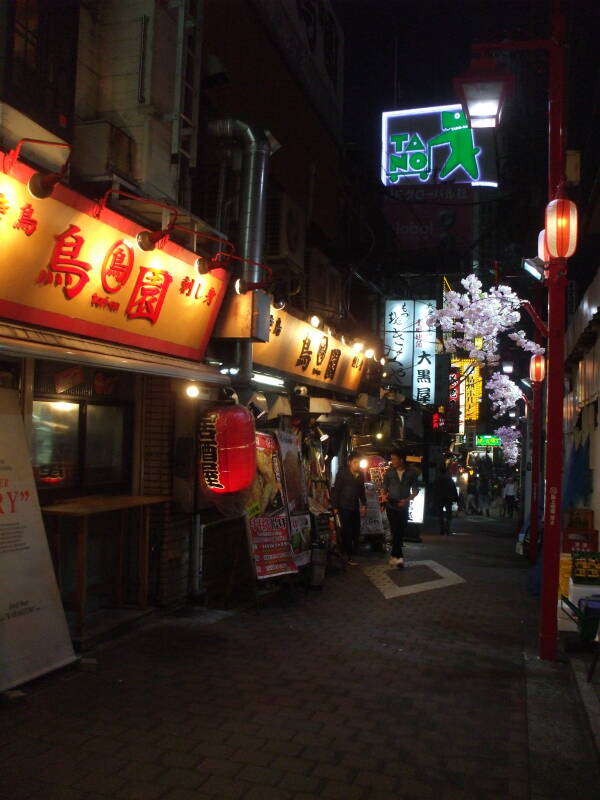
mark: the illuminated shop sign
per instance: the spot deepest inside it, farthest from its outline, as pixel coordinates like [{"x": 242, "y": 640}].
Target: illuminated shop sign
[
  {"x": 488, "y": 441},
  {"x": 423, "y": 372},
  {"x": 410, "y": 347},
  {"x": 307, "y": 353},
  {"x": 435, "y": 145},
  {"x": 470, "y": 390},
  {"x": 67, "y": 265}
]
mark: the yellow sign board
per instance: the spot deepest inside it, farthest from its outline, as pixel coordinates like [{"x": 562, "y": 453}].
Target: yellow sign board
[
  {"x": 66, "y": 264},
  {"x": 471, "y": 388},
  {"x": 309, "y": 354}
]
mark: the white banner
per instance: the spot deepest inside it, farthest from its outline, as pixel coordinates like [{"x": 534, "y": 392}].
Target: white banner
[
  {"x": 33, "y": 630},
  {"x": 423, "y": 373},
  {"x": 398, "y": 338},
  {"x": 372, "y": 523}
]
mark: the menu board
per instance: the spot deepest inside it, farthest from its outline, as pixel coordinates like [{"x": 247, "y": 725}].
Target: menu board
[{"x": 267, "y": 515}]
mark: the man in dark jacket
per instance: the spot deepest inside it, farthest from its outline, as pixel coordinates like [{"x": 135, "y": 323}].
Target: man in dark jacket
[
  {"x": 347, "y": 495},
  {"x": 400, "y": 486},
  {"x": 445, "y": 494}
]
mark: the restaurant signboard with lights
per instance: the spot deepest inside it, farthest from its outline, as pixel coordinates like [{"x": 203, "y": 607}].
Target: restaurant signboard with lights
[
  {"x": 309, "y": 354},
  {"x": 70, "y": 265},
  {"x": 398, "y": 339},
  {"x": 435, "y": 145}
]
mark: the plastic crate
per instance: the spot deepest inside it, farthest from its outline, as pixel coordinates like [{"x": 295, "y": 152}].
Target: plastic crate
[{"x": 586, "y": 568}]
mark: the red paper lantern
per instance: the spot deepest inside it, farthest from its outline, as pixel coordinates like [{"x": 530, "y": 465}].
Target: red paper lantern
[
  {"x": 537, "y": 368},
  {"x": 227, "y": 449},
  {"x": 542, "y": 249},
  {"x": 561, "y": 228}
]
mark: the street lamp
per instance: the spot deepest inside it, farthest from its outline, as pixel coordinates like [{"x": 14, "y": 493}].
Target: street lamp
[
  {"x": 534, "y": 266},
  {"x": 537, "y": 368},
  {"x": 508, "y": 367},
  {"x": 561, "y": 228},
  {"x": 482, "y": 91}
]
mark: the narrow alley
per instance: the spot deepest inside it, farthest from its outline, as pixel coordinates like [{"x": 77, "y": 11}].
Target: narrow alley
[{"x": 339, "y": 694}]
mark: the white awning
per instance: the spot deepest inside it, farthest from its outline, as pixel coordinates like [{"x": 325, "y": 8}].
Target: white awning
[{"x": 25, "y": 342}]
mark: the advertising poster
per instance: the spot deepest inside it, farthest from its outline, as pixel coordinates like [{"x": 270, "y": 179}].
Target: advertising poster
[
  {"x": 267, "y": 515},
  {"x": 372, "y": 524},
  {"x": 301, "y": 538},
  {"x": 293, "y": 472},
  {"x": 33, "y": 630}
]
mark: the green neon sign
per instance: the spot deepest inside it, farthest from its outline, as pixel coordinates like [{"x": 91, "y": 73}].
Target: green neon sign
[
  {"x": 435, "y": 144},
  {"x": 488, "y": 441}
]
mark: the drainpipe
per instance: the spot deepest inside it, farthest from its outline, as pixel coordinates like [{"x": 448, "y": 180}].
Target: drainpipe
[{"x": 256, "y": 151}]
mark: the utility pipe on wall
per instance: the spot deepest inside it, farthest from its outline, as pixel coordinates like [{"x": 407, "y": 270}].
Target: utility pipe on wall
[{"x": 250, "y": 239}]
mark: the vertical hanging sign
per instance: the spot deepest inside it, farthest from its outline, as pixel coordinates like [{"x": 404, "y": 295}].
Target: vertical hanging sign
[
  {"x": 423, "y": 372},
  {"x": 33, "y": 630},
  {"x": 398, "y": 340},
  {"x": 453, "y": 408}
]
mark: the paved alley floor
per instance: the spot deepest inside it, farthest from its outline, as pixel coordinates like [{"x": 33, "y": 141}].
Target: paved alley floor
[{"x": 349, "y": 693}]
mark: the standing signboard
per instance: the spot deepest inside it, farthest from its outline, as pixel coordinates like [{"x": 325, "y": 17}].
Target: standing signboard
[
  {"x": 296, "y": 495},
  {"x": 33, "y": 630},
  {"x": 267, "y": 515},
  {"x": 372, "y": 523}
]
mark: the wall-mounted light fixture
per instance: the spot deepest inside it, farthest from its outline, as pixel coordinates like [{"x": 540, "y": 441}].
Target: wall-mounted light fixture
[
  {"x": 40, "y": 185},
  {"x": 146, "y": 240}
]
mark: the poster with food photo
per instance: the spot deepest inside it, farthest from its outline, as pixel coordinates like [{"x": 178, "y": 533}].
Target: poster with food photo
[
  {"x": 301, "y": 538},
  {"x": 267, "y": 514},
  {"x": 293, "y": 472}
]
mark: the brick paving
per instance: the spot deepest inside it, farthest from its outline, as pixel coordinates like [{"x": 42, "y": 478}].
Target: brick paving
[{"x": 342, "y": 694}]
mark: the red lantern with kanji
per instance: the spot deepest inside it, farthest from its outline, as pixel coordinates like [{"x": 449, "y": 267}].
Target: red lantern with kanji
[
  {"x": 561, "y": 228},
  {"x": 537, "y": 368},
  {"x": 227, "y": 449}
]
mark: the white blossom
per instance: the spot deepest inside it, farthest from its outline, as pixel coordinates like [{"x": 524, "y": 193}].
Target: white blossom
[
  {"x": 475, "y": 319},
  {"x": 503, "y": 393},
  {"x": 510, "y": 443}
]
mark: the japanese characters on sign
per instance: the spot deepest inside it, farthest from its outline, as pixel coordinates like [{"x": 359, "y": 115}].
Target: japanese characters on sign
[
  {"x": 421, "y": 145},
  {"x": 398, "y": 338},
  {"x": 315, "y": 356},
  {"x": 423, "y": 368},
  {"x": 470, "y": 390},
  {"x": 66, "y": 268},
  {"x": 453, "y": 407}
]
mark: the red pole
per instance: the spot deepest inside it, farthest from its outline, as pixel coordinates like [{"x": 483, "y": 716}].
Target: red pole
[
  {"x": 536, "y": 443},
  {"x": 556, "y": 352}
]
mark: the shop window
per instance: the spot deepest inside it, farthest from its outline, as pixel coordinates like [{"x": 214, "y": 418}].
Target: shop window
[
  {"x": 104, "y": 436},
  {"x": 81, "y": 430},
  {"x": 55, "y": 443}
]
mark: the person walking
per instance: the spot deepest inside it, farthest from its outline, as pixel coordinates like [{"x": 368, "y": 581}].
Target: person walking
[
  {"x": 473, "y": 495},
  {"x": 445, "y": 495},
  {"x": 349, "y": 500},
  {"x": 400, "y": 486},
  {"x": 510, "y": 496},
  {"x": 484, "y": 495}
]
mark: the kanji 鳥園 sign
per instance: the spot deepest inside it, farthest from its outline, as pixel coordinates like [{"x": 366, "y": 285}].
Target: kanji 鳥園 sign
[
  {"x": 69, "y": 266},
  {"x": 314, "y": 355}
]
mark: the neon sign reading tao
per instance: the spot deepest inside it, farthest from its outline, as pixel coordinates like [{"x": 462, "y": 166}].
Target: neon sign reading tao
[{"x": 435, "y": 145}]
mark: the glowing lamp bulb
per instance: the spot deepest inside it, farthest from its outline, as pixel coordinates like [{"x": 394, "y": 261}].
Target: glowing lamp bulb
[
  {"x": 369, "y": 352},
  {"x": 363, "y": 463},
  {"x": 192, "y": 390},
  {"x": 379, "y": 435},
  {"x": 382, "y": 362},
  {"x": 315, "y": 321},
  {"x": 357, "y": 347}
]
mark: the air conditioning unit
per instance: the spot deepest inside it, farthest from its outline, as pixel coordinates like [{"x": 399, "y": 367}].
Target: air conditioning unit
[
  {"x": 284, "y": 234},
  {"x": 101, "y": 149}
]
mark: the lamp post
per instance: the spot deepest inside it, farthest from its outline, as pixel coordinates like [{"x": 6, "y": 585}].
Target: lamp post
[{"x": 556, "y": 283}]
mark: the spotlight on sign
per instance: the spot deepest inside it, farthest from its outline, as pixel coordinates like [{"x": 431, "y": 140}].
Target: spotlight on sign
[{"x": 192, "y": 390}]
